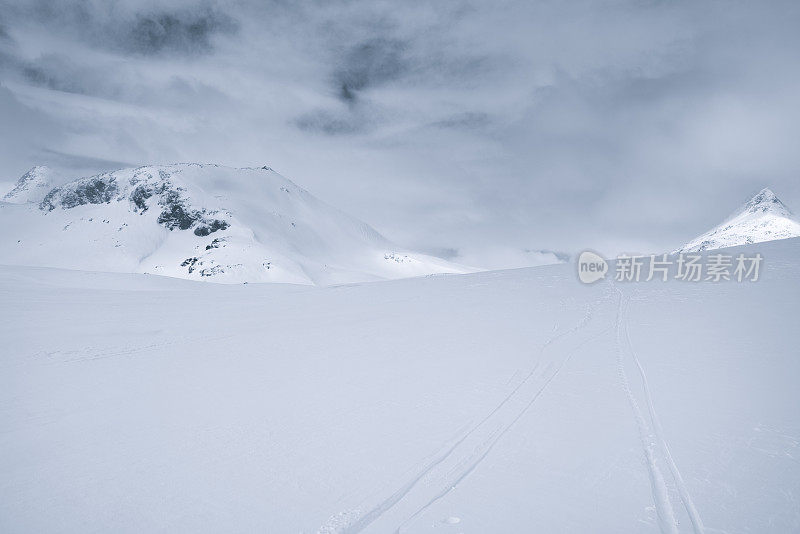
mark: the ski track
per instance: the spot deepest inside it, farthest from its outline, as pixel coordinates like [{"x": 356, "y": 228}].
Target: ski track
[
  {"x": 91, "y": 353},
  {"x": 651, "y": 436},
  {"x": 494, "y": 441},
  {"x": 667, "y": 521},
  {"x": 482, "y": 449},
  {"x": 683, "y": 491},
  {"x": 666, "y": 518},
  {"x": 376, "y": 512}
]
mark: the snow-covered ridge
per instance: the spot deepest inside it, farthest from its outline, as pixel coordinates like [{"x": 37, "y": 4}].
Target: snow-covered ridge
[
  {"x": 766, "y": 202},
  {"x": 31, "y": 187},
  {"x": 198, "y": 221},
  {"x": 142, "y": 190},
  {"x": 762, "y": 218}
]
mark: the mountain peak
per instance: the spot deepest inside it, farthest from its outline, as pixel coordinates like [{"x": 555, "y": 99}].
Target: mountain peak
[
  {"x": 765, "y": 201},
  {"x": 32, "y": 186},
  {"x": 762, "y": 218},
  {"x": 202, "y": 222}
]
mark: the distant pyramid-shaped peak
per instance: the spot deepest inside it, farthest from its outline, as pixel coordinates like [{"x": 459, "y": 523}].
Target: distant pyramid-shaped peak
[
  {"x": 765, "y": 201},
  {"x": 762, "y": 218},
  {"x": 32, "y": 186}
]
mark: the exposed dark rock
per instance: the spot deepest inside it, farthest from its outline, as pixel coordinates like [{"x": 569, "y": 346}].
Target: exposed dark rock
[
  {"x": 95, "y": 190},
  {"x": 216, "y": 243},
  {"x": 189, "y": 262},
  {"x": 211, "y": 271},
  {"x": 142, "y": 192},
  {"x": 210, "y": 227},
  {"x": 175, "y": 214}
]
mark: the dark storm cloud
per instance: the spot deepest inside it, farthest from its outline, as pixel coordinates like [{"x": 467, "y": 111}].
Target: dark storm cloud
[
  {"x": 186, "y": 31},
  {"x": 131, "y": 29},
  {"x": 56, "y": 72},
  {"x": 369, "y": 63}
]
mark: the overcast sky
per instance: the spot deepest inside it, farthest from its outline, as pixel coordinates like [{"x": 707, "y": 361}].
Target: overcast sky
[{"x": 475, "y": 130}]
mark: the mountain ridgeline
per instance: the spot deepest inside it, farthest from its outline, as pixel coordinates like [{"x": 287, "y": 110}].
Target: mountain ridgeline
[
  {"x": 762, "y": 218},
  {"x": 196, "y": 221}
]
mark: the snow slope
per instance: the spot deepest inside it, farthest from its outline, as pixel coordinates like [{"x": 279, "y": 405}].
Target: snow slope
[
  {"x": 203, "y": 222},
  {"x": 32, "y": 186},
  {"x": 763, "y": 218},
  {"x": 509, "y": 401}
]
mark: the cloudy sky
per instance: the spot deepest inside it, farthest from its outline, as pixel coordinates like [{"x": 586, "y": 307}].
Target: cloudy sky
[{"x": 474, "y": 130}]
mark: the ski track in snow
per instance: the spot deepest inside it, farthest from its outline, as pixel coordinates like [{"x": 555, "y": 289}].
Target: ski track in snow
[
  {"x": 666, "y": 518},
  {"x": 91, "y": 353},
  {"x": 487, "y": 440},
  {"x": 494, "y": 441}
]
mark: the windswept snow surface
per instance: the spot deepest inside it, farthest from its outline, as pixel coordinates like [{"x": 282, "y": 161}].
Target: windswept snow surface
[
  {"x": 762, "y": 218},
  {"x": 508, "y": 401},
  {"x": 201, "y": 222}
]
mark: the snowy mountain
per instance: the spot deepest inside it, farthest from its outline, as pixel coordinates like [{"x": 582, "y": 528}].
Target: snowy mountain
[
  {"x": 511, "y": 401},
  {"x": 32, "y": 186},
  {"x": 204, "y": 222},
  {"x": 763, "y": 218}
]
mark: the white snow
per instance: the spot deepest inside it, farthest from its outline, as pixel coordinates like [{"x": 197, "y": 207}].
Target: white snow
[
  {"x": 762, "y": 218},
  {"x": 32, "y": 186},
  {"x": 202, "y": 222},
  {"x": 506, "y": 401}
]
